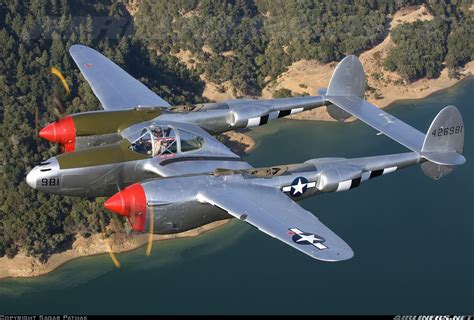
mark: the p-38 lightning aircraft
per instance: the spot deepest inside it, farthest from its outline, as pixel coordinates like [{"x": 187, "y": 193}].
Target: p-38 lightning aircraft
[{"x": 178, "y": 177}]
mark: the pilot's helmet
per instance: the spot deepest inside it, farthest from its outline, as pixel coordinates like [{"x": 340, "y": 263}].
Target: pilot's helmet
[{"x": 157, "y": 132}]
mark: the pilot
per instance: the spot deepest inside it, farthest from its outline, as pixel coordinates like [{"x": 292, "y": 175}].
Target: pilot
[
  {"x": 157, "y": 132},
  {"x": 157, "y": 142},
  {"x": 159, "y": 147}
]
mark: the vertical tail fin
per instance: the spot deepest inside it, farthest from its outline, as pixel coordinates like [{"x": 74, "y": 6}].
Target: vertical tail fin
[
  {"x": 443, "y": 143},
  {"x": 441, "y": 146},
  {"x": 348, "y": 79}
]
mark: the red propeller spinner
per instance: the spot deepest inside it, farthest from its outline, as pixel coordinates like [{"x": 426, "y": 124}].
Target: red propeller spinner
[
  {"x": 130, "y": 203},
  {"x": 62, "y": 131}
]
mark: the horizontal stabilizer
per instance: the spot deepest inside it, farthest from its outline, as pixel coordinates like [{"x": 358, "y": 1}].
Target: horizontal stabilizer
[
  {"x": 451, "y": 158},
  {"x": 381, "y": 121},
  {"x": 441, "y": 146}
]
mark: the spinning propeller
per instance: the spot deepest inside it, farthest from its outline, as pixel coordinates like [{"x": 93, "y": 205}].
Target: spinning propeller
[
  {"x": 129, "y": 202},
  {"x": 62, "y": 130}
]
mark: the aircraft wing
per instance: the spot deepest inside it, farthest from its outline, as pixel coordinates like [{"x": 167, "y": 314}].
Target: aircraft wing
[
  {"x": 277, "y": 215},
  {"x": 115, "y": 88}
]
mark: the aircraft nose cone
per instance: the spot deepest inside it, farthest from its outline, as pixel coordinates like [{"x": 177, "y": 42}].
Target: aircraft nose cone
[
  {"x": 116, "y": 204},
  {"x": 45, "y": 173},
  {"x": 32, "y": 177},
  {"x": 129, "y": 202},
  {"x": 49, "y": 132}
]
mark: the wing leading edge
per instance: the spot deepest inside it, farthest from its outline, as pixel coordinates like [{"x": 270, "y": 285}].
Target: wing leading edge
[
  {"x": 275, "y": 214},
  {"x": 115, "y": 88}
]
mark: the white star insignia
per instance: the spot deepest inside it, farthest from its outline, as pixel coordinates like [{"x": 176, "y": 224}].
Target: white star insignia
[
  {"x": 310, "y": 238},
  {"x": 298, "y": 188}
]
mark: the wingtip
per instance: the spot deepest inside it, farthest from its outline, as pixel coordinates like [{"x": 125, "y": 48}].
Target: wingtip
[
  {"x": 74, "y": 47},
  {"x": 462, "y": 159},
  {"x": 78, "y": 47},
  {"x": 350, "y": 58},
  {"x": 331, "y": 255},
  {"x": 335, "y": 254},
  {"x": 345, "y": 254},
  {"x": 349, "y": 254}
]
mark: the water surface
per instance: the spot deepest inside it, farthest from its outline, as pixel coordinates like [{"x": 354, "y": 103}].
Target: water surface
[{"x": 413, "y": 240}]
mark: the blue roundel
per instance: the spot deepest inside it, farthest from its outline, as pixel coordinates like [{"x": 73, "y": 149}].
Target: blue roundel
[{"x": 299, "y": 186}]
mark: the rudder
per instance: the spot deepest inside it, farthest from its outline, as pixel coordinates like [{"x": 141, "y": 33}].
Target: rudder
[
  {"x": 443, "y": 143},
  {"x": 348, "y": 79}
]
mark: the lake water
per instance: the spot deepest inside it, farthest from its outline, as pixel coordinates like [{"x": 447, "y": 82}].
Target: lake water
[{"x": 413, "y": 240}]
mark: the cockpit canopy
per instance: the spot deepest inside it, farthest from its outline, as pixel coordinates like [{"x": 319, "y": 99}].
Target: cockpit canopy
[{"x": 165, "y": 141}]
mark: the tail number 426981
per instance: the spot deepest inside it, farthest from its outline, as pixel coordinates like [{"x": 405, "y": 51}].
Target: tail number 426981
[{"x": 447, "y": 131}]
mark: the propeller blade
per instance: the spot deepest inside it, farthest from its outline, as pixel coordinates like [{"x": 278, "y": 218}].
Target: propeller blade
[
  {"x": 36, "y": 124},
  {"x": 131, "y": 219},
  {"x": 60, "y": 109},
  {"x": 60, "y": 76},
  {"x": 107, "y": 242},
  {"x": 150, "y": 231},
  {"x": 112, "y": 255}
]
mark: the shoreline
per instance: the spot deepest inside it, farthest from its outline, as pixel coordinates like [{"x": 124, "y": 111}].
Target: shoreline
[
  {"x": 320, "y": 114},
  {"x": 22, "y": 266},
  {"x": 459, "y": 81},
  {"x": 383, "y": 87},
  {"x": 238, "y": 142},
  {"x": 95, "y": 245}
]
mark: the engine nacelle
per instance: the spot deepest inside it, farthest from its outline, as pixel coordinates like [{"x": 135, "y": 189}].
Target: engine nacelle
[
  {"x": 242, "y": 117},
  {"x": 172, "y": 204},
  {"x": 339, "y": 178},
  {"x": 83, "y": 130},
  {"x": 136, "y": 201}
]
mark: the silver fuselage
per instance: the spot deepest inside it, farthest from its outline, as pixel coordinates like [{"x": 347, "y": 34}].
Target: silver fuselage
[
  {"x": 174, "y": 207},
  {"x": 89, "y": 178}
]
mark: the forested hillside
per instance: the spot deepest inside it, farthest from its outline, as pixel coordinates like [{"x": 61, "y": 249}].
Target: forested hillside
[
  {"x": 34, "y": 37},
  {"x": 423, "y": 46},
  {"x": 247, "y": 42},
  {"x": 252, "y": 42}
]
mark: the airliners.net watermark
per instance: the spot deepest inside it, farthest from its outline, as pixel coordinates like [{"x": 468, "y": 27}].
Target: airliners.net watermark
[{"x": 433, "y": 317}]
